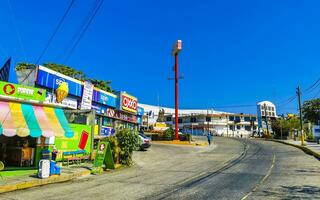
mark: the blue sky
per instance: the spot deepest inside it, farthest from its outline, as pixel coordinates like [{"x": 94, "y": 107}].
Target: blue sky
[{"x": 234, "y": 52}]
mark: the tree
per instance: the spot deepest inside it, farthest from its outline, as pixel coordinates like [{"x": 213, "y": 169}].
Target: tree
[
  {"x": 311, "y": 110},
  {"x": 66, "y": 70},
  {"x": 103, "y": 85},
  {"x": 24, "y": 65},
  {"x": 285, "y": 126}
]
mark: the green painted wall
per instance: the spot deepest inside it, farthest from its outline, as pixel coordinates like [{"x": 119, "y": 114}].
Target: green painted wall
[{"x": 71, "y": 144}]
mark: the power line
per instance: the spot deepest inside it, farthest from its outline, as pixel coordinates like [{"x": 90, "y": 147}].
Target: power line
[
  {"x": 83, "y": 31},
  {"x": 51, "y": 38},
  {"x": 55, "y": 31}
]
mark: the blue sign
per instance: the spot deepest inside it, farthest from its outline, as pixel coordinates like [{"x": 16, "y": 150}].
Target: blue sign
[
  {"x": 139, "y": 119},
  {"x": 104, "y": 98},
  {"x": 140, "y": 111},
  {"x": 99, "y": 109},
  {"x": 107, "y": 131},
  {"x": 52, "y": 81}
]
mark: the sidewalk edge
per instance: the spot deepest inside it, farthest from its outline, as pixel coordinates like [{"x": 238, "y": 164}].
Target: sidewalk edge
[
  {"x": 303, "y": 148},
  {"x": 39, "y": 182}
]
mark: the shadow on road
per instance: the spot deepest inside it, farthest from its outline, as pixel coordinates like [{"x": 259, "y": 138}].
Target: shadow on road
[{"x": 294, "y": 192}]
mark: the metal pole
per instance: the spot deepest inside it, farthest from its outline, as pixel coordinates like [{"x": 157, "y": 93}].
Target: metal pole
[
  {"x": 176, "y": 96},
  {"x": 300, "y": 113}
]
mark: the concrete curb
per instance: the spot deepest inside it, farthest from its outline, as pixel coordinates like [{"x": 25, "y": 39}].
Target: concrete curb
[
  {"x": 39, "y": 182},
  {"x": 185, "y": 143},
  {"x": 303, "y": 148}
]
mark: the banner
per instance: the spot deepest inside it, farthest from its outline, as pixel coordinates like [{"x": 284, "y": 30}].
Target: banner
[
  {"x": 4, "y": 71},
  {"x": 22, "y": 92},
  {"x": 87, "y": 96},
  {"x": 104, "y": 98}
]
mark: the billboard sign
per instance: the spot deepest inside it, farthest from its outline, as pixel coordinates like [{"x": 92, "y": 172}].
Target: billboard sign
[
  {"x": 87, "y": 96},
  {"x": 140, "y": 111},
  {"x": 22, "y": 92},
  {"x": 104, "y": 98},
  {"x": 52, "y": 80},
  {"x": 129, "y": 103},
  {"x": 67, "y": 102},
  {"x": 121, "y": 115}
]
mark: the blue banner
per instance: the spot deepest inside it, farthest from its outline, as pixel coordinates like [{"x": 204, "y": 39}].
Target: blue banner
[
  {"x": 52, "y": 81},
  {"x": 140, "y": 111},
  {"x": 104, "y": 98}
]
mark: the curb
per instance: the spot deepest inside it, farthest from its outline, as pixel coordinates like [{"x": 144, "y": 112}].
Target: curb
[
  {"x": 303, "y": 148},
  {"x": 180, "y": 143},
  {"x": 39, "y": 182}
]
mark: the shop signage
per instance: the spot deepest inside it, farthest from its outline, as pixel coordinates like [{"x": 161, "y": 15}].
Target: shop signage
[
  {"x": 104, "y": 98},
  {"x": 67, "y": 102},
  {"x": 121, "y": 115},
  {"x": 140, "y": 111},
  {"x": 87, "y": 96},
  {"x": 129, "y": 103},
  {"x": 101, "y": 154},
  {"x": 22, "y": 92},
  {"x": 107, "y": 131},
  {"x": 99, "y": 109},
  {"x": 52, "y": 80}
]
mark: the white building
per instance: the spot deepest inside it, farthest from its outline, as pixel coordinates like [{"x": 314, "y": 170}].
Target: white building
[
  {"x": 200, "y": 121},
  {"x": 266, "y": 112}
]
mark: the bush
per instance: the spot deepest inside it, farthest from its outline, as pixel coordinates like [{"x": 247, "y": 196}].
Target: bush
[{"x": 127, "y": 140}]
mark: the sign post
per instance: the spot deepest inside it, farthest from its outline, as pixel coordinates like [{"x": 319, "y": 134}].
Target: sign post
[{"x": 103, "y": 157}]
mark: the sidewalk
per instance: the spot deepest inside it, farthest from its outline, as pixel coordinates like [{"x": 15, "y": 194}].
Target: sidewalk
[
  {"x": 311, "y": 148},
  {"x": 11, "y": 183}
]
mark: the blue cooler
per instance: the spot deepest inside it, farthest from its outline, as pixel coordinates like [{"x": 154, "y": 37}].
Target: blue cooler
[{"x": 54, "y": 169}]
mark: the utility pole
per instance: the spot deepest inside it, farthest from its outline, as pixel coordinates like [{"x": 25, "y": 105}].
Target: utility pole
[
  {"x": 300, "y": 113},
  {"x": 266, "y": 120},
  {"x": 175, "y": 51}
]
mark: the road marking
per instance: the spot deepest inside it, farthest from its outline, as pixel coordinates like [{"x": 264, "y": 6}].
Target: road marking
[{"x": 263, "y": 179}]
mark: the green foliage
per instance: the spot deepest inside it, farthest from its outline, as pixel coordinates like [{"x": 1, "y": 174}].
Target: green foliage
[
  {"x": 23, "y": 66},
  {"x": 311, "y": 110},
  {"x": 168, "y": 134},
  {"x": 66, "y": 70},
  {"x": 285, "y": 125},
  {"x": 103, "y": 85},
  {"x": 185, "y": 137},
  {"x": 114, "y": 147},
  {"x": 128, "y": 140}
]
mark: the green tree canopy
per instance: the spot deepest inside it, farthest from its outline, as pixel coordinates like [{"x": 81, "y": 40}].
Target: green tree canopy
[
  {"x": 311, "y": 110},
  {"x": 66, "y": 70},
  {"x": 24, "y": 65}
]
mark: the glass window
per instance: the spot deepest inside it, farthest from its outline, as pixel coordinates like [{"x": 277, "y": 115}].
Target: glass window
[
  {"x": 193, "y": 119},
  {"x": 169, "y": 119},
  {"x": 262, "y": 113},
  {"x": 231, "y": 118},
  {"x": 237, "y": 119},
  {"x": 247, "y": 128},
  {"x": 247, "y": 119},
  {"x": 180, "y": 120},
  {"x": 272, "y": 108},
  {"x": 231, "y": 127},
  {"x": 253, "y": 119},
  {"x": 238, "y": 127},
  {"x": 208, "y": 119}
]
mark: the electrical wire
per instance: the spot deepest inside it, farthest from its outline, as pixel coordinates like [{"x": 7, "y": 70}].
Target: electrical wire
[
  {"x": 51, "y": 38},
  {"x": 83, "y": 31}
]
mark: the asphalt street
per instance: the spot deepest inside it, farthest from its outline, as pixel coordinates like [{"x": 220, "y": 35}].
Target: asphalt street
[{"x": 229, "y": 169}]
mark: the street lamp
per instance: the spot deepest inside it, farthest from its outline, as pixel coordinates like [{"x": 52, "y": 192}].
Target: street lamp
[{"x": 175, "y": 51}]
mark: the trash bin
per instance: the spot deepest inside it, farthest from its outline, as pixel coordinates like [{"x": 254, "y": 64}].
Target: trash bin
[
  {"x": 54, "y": 168},
  {"x": 44, "y": 169}
]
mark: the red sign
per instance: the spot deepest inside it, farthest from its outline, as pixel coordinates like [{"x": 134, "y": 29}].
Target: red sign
[
  {"x": 121, "y": 115},
  {"x": 9, "y": 89},
  {"x": 129, "y": 103}
]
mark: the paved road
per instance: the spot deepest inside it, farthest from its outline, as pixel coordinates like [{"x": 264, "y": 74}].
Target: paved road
[{"x": 230, "y": 169}]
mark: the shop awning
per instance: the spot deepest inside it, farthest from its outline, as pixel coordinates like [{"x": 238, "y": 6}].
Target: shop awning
[{"x": 32, "y": 120}]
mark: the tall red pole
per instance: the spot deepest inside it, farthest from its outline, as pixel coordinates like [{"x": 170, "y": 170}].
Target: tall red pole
[{"x": 176, "y": 97}]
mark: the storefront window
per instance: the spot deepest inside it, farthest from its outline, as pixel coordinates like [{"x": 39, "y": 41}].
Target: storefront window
[{"x": 107, "y": 121}]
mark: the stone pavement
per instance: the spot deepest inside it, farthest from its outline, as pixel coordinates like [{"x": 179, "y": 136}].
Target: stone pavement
[{"x": 28, "y": 181}]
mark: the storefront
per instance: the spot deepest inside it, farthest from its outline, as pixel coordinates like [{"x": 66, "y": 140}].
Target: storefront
[{"x": 27, "y": 125}]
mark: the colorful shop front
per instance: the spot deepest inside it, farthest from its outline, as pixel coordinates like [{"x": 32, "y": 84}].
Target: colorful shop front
[{"x": 27, "y": 125}]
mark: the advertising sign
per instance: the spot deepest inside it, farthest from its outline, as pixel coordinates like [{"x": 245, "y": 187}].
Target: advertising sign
[
  {"x": 107, "y": 131},
  {"x": 99, "y": 109},
  {"x": 129, "y": 103},
  {"x": 22, "y": 92},
  {"x": 67, "y": 102},
  {"x": 104, "y": 98},
  {"x": 87, "y": 96},
  {"x": 101, "y": 154},
  {"x": 52, "y": 80},
  {"x": 140, "y": 111},
  {"x": 121, "y": 115}
]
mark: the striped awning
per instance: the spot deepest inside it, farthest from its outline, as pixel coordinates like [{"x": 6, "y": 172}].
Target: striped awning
[{"x": 32, "y": 120}]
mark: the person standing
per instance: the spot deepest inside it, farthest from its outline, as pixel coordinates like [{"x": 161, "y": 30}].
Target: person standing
[
  {"x": 54, "y": 153},
  {"x": 209, "y": 137}
]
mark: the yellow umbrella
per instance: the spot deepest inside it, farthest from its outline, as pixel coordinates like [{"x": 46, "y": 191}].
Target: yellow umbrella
[{"x": 62, "y": 92}]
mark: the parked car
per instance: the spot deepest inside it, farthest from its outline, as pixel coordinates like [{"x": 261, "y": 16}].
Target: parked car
[{"x": 145, "y": 141}]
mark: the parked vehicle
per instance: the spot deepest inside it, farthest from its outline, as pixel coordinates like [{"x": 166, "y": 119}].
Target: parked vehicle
[{"x": 145, "y": 141}]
